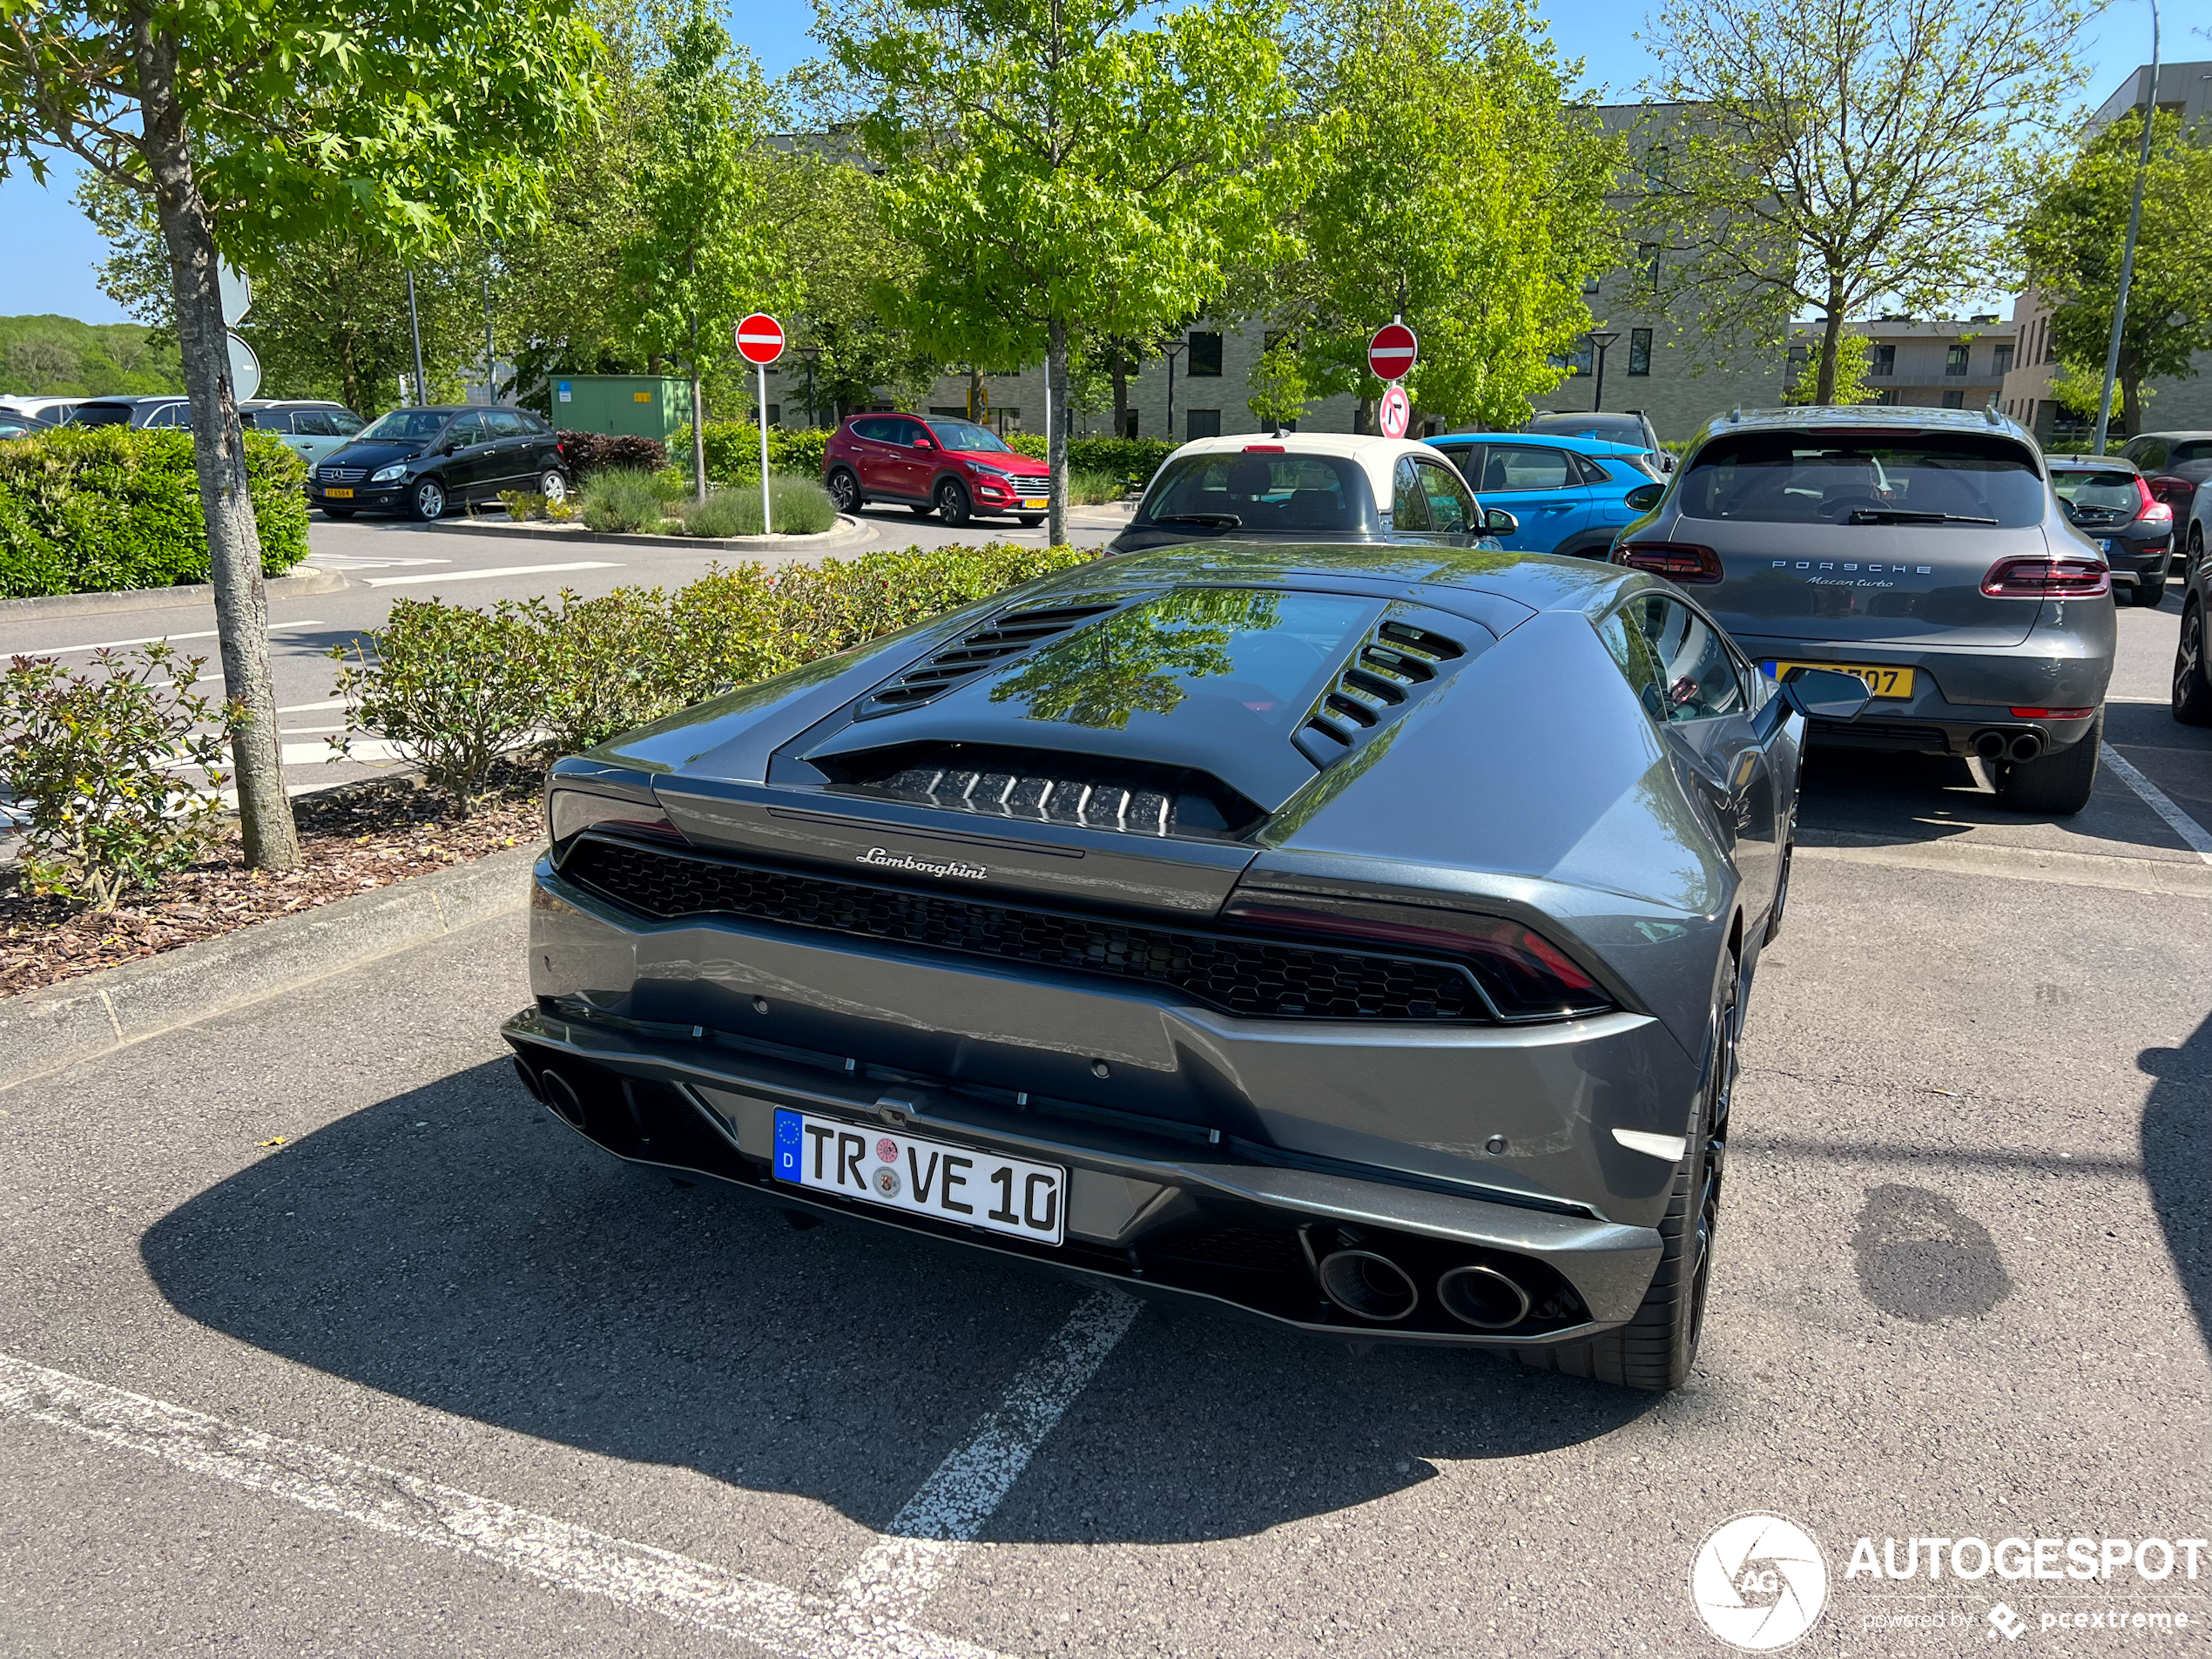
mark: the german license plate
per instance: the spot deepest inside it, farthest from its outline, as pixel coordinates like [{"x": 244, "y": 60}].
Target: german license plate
[
  {"x": 338, "y": 495},
  {"x": 1033, "y": 503},
  {"x": 1880, "y": 682},
  {"x": 900, "y": 1171}
]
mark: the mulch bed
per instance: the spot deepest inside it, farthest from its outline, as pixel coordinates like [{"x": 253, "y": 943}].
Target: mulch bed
[{"x": 353, "y": 839}]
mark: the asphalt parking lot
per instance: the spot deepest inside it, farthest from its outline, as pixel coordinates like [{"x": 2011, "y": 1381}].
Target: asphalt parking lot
[{"x": 323, "y": 1338}]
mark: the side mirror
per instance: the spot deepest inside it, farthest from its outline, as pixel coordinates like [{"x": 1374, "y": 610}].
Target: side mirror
[
  {"x": 1498, "y": 522},
  {"x": 924, "y": 443},
  {"x": 1644, "y": 497},
  {"x": 1824, "y": 694}
]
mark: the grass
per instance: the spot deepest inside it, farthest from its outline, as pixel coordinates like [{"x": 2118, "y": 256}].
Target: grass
[
  {"x": 800, "y": 507},
  {"x": 1094, "y": 489},
  {"x": 627, "y": 499}
]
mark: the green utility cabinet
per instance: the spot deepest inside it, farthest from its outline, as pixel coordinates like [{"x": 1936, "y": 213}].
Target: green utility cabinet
[{"x": 639, "y": 406}]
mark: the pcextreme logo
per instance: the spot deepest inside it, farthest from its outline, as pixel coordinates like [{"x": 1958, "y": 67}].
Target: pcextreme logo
[{"x": 1759, "y": 1583}]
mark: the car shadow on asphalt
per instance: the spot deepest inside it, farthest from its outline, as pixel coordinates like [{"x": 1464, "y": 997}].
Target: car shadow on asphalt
[
  {"x": 2177, "y": 1155},
  {"x": 457, "y": 1246}
]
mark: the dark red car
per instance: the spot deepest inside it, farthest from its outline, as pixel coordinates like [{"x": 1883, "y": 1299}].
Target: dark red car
[{"x": 940, "y": 464}]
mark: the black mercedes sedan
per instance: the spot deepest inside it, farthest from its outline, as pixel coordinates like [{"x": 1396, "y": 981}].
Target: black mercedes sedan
[
  {"x": 422, "y": 461},
  {"x": 1353, "y": 937}
]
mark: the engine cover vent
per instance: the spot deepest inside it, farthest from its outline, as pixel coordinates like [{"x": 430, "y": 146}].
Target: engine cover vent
[
  {"x": 1384, "y": 675},
  {"x": 1038, "y": 787},
  {"x": 1004, "y": 636}
]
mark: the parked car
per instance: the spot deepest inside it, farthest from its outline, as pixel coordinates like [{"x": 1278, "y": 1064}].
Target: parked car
[
  {"x": 1631, "y": 429},
  {"x": 1307, "y": 487},
  {"x": 2191, "y": 673},
  {"x": 53, "y": 410},
  {"x": 311, "y": 427},
  {"x": 15, "y": 425},
  {"x": 1922, "y": 549},
  {"x": 165, "y": 410},
  {"x": 955, "y": 469},
  {"x": 2192, "y": 531},
  {"x": 1571, "y": 495},
  {"x": 1356, "y": 939},
  {"x": 2111, "y": 504},
  {"x": 423, "y": 461},
  {"x": 2174, "y": 464}
]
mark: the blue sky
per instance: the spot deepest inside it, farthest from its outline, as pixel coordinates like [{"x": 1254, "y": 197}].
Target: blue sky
[{"x": 55, "y": 247}]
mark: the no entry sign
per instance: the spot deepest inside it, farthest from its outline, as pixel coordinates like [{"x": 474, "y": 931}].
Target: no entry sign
[
  {"x": 1396, "y": 412},
  {"x": 760, "y": 339},
  {"x": 1392, "y": 353}
]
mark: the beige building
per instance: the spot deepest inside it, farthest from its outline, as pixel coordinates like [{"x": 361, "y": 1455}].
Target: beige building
[
  {"x": 1944, "y": 364},
  {"x": 2186, "y": 90}
]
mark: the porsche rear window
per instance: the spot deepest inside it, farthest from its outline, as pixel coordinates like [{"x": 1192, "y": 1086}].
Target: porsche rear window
[
  {"x": 1301, "y": 495},
  {"x": 1824, "y": 478}
]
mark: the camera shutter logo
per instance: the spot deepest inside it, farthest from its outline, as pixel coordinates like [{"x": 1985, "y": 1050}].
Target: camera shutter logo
[{"x": 1759, "y": 1583}]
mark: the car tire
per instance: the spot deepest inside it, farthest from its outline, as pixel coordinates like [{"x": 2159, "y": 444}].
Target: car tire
[
  {"x": 2147, "y": 595},
  {"x": 340, "y": 513},
  {"x": 844, "y": 491},
  {"x": 553, "y": 484},
  {"x": 2058, "y": 785},
  {"x": 1655, "y": 1349},
  {"x": 2192, "y": 674},
  {"x": 952, "y": 503},
  {"x": 1028, "y": 521},
  {"x": 427, "y": 500}
]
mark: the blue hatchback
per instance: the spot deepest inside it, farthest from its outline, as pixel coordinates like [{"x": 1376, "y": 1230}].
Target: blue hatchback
[{"x": 1570, "y": 494}]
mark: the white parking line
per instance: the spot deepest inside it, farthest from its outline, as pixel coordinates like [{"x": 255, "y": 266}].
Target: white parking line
[
  {"x": 478, "y": 576},
  {"x": 871, "y": 1619},
  {"x": 558, "y": 1552},
  {"x": 150, "y": 639},
  {"x": 903, "y": 1568},
  {"x": 2198, "y": 840}
]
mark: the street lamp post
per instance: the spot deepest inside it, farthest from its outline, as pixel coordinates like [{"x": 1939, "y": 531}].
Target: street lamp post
[
  {"x": 1600, "y": 340},
  {"x": 2128, "y": 254},
  {"x": 1170, "y": 353},
  {"x": 415, "y": 331}
]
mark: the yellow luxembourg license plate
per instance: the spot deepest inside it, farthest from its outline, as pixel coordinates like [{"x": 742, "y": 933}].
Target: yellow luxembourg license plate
[
  {"x": 1034, "y": 503},
  {"x": 340, "y": 494},
  {"x": 1880, "y": 682}
]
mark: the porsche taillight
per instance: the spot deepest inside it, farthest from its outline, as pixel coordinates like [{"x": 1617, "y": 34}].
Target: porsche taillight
[
  {"x": 1683, "y": 562},
  {"x": 2040, "y": 578},
  {"x": 1523, "y": 974}
]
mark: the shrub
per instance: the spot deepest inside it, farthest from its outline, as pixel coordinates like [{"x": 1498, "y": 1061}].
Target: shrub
[
  {"x": 733, "y": 451},
  {"x": 99, "y": 761},
  {"x": 523, "y": 504},
  {"x": 624, "y": 498},
  {"x": 1120, "y": 456},
  {"x": 587, "y": 453},
  {"x": 1094, "y": 489},
  {"x": 799, "y": 507},
  {"x": 455, "y": 688},
  {"x": 91, "y": 509}
]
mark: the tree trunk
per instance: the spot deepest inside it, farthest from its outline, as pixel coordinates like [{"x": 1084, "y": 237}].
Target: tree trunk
[
  {"x": 1363, "y": 415},
  {"x": 2131, "y": 396},
  {"x": 1055, "y": 439},
  {"x": 1832, "y": 341},
  {"x": 272, "y": 842},
  {"x": 1121, "y": 393}
]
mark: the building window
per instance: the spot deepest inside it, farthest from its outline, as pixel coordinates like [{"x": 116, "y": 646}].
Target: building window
[
  {"x": 1648, "y": 266},
  {"x": 1576, "y": 360},
  {"x": 1954, "y": 361},
  {"x": 1886, "y": 397},
  {"x": 1655, "y": 165},
  {"x": 1884, "y": 363},
  {"x": 1592, "y": 285},
  {"x": 2001, "y": 358},
  {"x": 1205, "y": 356},
  {"x": 1203, "y": 423},
  {"x": 1954, "y": 400},
  {"x": 1639, "y": 351}
]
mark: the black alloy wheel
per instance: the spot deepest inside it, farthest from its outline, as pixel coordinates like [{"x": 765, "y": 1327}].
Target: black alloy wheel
[
  {"x": 844, "y": 491},
  {"x": 952, "y": 503}
]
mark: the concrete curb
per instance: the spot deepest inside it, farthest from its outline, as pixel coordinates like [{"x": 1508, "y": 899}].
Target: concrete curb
[
  {"x": 850, "y": 532},
  {"x": 42, "y": 1031},
  {"x": 304, "y": 581}
]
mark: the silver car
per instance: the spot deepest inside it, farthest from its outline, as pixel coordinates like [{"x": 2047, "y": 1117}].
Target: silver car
[
  {"x": 1355, "y": 937},
  {"x": 1922, "y": 550}
]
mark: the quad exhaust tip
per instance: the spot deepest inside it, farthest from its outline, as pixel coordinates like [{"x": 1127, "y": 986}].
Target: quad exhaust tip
[
  {"x": 2026, "y": 746},
  {"x": 1370, "y": 1286},
  {"x": 1483, "y": 1298},
  {"x": 2008, "y": 745}
]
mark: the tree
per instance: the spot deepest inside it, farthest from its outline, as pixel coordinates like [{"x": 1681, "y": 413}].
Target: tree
[
  {"x": 1455, "y": 183},
  {"x": 250, "y": 128},
  {"x": 1064, "y": 172},
  {"x": 699, "y": 259},
  {"x": 1277, "y": 393},
  {"x": 1853, "y": 367},
  {"x": 2070, "y": 242},
  {"x": 1834, "y": 153}
]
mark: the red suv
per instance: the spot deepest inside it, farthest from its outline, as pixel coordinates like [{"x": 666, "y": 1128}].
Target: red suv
[{"x": 937, "y": 464}]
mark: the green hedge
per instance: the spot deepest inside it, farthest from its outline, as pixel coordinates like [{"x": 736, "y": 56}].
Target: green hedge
[
  {"x": 1120, "y": 456},
  {"x": 92, "y": 510},
  {"x": 733, "y": 452}
]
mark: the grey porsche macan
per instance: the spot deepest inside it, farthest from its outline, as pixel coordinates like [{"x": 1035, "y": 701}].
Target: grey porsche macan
[{"x": 1356, "y": 937}]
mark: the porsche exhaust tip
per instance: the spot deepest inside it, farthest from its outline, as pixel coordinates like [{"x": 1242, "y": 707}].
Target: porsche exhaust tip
[
  {"x": 2026, "y": 746},
  {"x": 1990, "y": 745},
  {"x": 1483, "y": 1298},
  {"x": 1368, "y": 1285}
]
